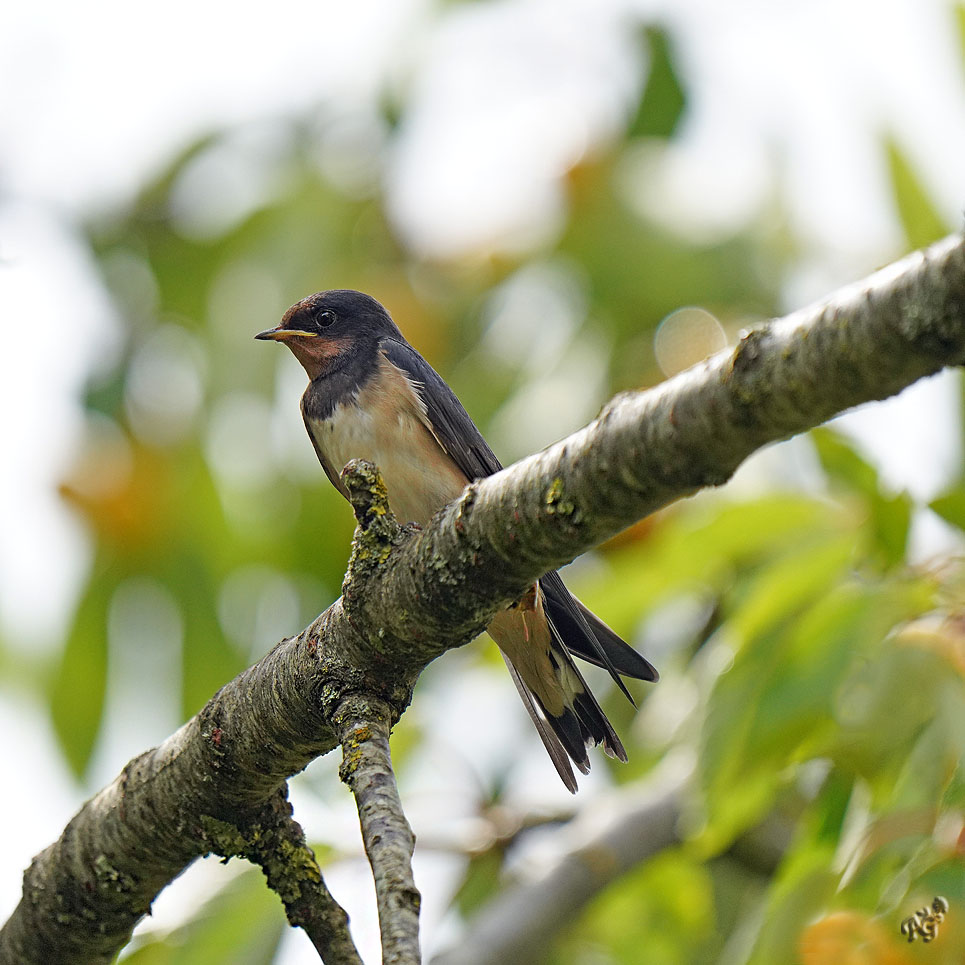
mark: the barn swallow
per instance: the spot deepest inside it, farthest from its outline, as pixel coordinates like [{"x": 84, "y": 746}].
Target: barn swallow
[{"x": 372, "y": 396}]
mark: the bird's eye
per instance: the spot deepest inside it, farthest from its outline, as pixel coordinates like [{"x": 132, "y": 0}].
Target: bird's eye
[{"x": 325, "y": 319}]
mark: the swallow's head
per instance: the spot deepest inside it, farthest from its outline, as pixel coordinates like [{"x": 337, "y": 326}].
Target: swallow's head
[{"x": 326, "y": 328}]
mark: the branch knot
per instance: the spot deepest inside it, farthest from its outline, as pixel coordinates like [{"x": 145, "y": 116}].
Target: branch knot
[{"x": 378, "y": 532}]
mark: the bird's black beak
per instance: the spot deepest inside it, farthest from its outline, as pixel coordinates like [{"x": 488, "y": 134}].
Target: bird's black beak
[{"x": 277, "y": 334}]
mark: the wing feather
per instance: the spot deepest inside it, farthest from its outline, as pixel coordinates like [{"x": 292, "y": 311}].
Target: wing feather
[{"x": 446, "y": 418}]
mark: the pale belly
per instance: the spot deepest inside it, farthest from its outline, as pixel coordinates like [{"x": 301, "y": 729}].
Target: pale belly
[{"x": 419, "y": 476}]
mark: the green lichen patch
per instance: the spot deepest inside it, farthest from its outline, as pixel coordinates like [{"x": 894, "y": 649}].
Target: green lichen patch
[
  {"x": 226, "y": 839},
  {"x": 110, "y": 878},
  {"x": 291, "y": 867},
  {"x": 556, "y": 501},
  {"x": 286, "y": 863}
]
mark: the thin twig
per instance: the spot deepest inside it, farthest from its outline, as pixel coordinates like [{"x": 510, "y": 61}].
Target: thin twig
[{"x": 363, "y": 725}]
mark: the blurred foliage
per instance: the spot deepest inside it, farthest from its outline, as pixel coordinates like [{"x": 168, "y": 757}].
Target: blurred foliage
[
  {"x": 810, "y": 672},
  {"x": 241, "y": 925},
  {"x": 664, "y": 98},
  {"x": 889, "y": 513},
  {"x": 919, "y": 216},
  {"x": 665, "y": 906},
  {"x": 828, "y": 696}
]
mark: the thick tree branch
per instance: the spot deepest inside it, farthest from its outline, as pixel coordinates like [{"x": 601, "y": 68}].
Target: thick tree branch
[{"x": 409, "y": 597}]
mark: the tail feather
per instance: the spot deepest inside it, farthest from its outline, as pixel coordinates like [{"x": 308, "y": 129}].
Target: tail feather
[
  {"x": 570, "y": 731},
  {"x": 588, "y": 637},
  {"x": 540, "y": 661},
  {"x": 582, "y": 723},
  {"x": 550, "y": 741},
  {"x": 606, "y": 736}
]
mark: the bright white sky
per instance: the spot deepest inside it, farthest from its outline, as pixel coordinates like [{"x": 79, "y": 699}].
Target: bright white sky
[{"x": 506, "y": 94}]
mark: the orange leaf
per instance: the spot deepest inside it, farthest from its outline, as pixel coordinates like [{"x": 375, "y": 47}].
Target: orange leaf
[{"x": 850, "y": 938}]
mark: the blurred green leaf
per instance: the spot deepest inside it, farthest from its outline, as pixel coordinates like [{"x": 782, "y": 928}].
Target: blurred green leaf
[
  {"x": 882, "y": 707},
  {"x": 729, "y": 535},
  {"x": 891, "y": 518},
  {"x": 951, "y": 505},
  {"x": 920, "y": 218},
  {"x": 664, "y": 99},
  {"x": 889, "y": 515},
  {"x": 481, "y": 880},
  {"x": 840, "y": 460},
  {"x": 80, "y": 682},
  {"x": 777, "y": 703},
  {"x": 665, "y": 907},
  {"x": 825, "y": 822},
  {"x": 241, "y": 925},
  {"x": 803, "y": 885},
  {"x": 790, "y": 582}
]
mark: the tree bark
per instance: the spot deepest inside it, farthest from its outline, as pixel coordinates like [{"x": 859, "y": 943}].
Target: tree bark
[
  {"x": 388, "y": 839},
  {"x": 409, "y": 595}
]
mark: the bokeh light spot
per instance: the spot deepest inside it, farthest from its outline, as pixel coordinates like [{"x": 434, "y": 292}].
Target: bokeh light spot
[{"x": 686, "y": 337}]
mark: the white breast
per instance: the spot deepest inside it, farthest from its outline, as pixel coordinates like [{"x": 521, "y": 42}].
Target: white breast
[{"x": 385, "y": 426}]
